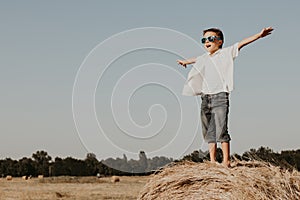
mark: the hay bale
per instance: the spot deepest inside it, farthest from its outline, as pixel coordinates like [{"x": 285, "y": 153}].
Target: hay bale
[
  {"x": 8, "y": 178},
  {"x": 40, "y": 176},
  {"x": 245, "y": 180},
  {"x": 24, "y": 177},
  {"x": 115, "y": 179}
]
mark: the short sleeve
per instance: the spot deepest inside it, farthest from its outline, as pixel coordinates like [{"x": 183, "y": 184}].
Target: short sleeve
[{"x": 234, "y": 50}]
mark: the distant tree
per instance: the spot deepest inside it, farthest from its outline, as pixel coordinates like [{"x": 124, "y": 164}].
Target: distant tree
[
  {"x": 42, "y": 162},
  {"x": 286, "y": 159},
  {"x": 70, "y": 167},
  {"x": 91, "y": 156},
  {"x": 135, "y": 166},
  {"x": 9, "y": 167},
  {"x": 26, "y": 167},
  {"x": 92, "y": 164},
  {"x": 125, "y": 158},
  {"x": 142, "y": 166},
  {"x": 58, "y": 167},
  {"x": 103, "y": 169},
  {"x": 292, "y": 158},
  {"x": 194, "y": 157},
  {"x": 143, "y": 161}
]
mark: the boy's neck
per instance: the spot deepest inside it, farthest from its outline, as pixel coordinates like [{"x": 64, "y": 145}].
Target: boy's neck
[{"x": 211, "y": 53}]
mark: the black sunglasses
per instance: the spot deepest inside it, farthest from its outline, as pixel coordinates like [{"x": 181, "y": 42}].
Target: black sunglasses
[{"x": 210, "y": 39}]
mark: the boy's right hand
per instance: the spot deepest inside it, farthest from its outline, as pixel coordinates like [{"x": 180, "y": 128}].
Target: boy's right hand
[
  {"x": 181, "y": 62},
  {"x": 266, "y": 31}
]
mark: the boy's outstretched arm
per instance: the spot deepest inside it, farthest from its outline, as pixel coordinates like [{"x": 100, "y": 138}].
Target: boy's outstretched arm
[
  {"x": 264, "y": 32},
  {"x": 186, "y": 62}
]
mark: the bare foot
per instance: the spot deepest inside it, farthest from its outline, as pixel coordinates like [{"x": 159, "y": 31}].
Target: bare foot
[
  {"x": 215, "y": 162},
  {"x": 226, "y": 164}
]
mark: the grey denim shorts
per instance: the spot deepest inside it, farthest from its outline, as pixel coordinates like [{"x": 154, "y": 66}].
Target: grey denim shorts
[{"x": 214, "y": 117}]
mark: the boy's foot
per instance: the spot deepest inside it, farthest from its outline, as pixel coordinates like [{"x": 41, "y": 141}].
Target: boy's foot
[
  {"x": 226, "y": 164},
  {"x": 214, "y": 162}
]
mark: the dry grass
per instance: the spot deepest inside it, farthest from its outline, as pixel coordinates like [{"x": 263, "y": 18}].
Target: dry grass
[
  {"x": 79, "y": 188},
  {"x": 245, "y": 180}
]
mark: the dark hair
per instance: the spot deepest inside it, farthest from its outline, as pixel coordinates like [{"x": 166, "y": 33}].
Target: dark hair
[{"x": 218, "y": 32}]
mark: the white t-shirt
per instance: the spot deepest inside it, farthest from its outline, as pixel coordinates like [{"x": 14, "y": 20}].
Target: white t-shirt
[{"x": 212, "y": 74}]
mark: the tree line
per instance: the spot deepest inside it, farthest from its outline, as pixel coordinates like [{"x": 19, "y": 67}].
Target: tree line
[{"x": 42, "y": 164}]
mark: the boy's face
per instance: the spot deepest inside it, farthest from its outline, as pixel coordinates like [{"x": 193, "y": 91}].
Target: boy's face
[{"x": 211, "y": 47}]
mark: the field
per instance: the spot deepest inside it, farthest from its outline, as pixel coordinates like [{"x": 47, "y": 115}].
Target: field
[{"x": 79, "y": 188}]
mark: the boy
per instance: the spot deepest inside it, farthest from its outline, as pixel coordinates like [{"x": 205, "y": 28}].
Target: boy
[{"x": 212, "y": 78}]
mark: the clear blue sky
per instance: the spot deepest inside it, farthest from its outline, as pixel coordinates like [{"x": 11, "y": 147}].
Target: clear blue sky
[{"x": 44, "y": 43}]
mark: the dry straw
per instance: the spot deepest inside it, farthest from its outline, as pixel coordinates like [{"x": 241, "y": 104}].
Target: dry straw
[{"x": 244, "y": 180}]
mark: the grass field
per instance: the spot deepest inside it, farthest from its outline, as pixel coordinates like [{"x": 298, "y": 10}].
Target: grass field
[{"x": 79, "y": 188}]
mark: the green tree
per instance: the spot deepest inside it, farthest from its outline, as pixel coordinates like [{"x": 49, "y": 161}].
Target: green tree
[
  {"x": 42, "y": 162},
  {"x": 9, "y": 167},
  {"x": 193, "y": 157},
  {"x": 91, "y": 164},
  {"x": 70, "y": 167},
  {"x": 26, "y": 167}
]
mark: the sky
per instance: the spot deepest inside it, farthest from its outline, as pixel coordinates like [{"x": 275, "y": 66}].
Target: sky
[{"x": 101, "y": 76}]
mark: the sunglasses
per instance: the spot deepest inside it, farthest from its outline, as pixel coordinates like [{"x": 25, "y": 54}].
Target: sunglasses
[{"x": 210, "y": 39}]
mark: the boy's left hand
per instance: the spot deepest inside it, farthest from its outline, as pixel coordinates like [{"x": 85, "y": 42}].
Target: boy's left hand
[{"x": 265, "y": 32}]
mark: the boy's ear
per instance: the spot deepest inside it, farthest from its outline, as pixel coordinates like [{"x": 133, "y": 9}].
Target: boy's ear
[{"x": 220, "y": 42}]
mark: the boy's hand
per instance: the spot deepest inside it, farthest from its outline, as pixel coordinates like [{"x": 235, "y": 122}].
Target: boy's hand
[
  {"x": 181, "y": 62},
  {"x": 266, "y": 31}
]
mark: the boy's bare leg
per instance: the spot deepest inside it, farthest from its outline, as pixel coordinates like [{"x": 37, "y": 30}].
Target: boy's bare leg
[
  {"x": 212, "y": 152},
  {"x": 226, "y": 153}
]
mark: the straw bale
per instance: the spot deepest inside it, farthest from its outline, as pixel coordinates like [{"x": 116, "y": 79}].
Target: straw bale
[
  {"x": 244, "y": 180},
  {"x": 40, "y": 176},
  {"x": 115, "y": 179}
]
